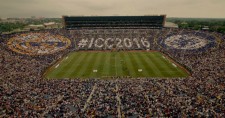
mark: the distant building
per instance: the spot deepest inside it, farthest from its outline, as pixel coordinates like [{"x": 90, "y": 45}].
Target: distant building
[
  {"x": 184, "y": 23},
  {"x": 170, "y": 25},
  {"x": 34, "y": 27},
  {"x": 51, "y": 25},
  {"x": 205, "y": 28}
]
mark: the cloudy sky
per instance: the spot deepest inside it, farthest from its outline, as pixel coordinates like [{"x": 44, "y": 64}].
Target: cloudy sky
[{"x": 57, "y": 8}]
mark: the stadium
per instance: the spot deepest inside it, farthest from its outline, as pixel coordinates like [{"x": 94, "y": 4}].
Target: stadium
[{"x": 112, "y": 66}]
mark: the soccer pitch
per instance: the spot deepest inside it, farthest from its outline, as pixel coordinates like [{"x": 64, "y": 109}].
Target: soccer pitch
[{"x": 114, "y": 64}]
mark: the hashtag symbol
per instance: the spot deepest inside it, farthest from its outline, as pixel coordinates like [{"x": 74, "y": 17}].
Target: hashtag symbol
[{"x": 82, "y": 43}]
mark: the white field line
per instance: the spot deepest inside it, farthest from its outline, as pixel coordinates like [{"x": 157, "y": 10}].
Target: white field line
[
  {"x": 170, "y": 62},
  {"x": 57, "y": 66},
  {"x": 61, "y": 61},
  {"x": 139, "y": 70},
  {"x": 174, "y": 65}
]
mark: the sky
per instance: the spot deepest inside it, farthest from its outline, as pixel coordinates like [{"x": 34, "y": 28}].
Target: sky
[{"x": 57, "y": 8}]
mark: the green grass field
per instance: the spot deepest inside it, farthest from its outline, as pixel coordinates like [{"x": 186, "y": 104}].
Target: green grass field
[{"x": 134, "y": 64}]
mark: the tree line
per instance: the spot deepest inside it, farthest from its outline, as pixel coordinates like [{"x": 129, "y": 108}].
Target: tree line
[{"x": 213, "y": 24}]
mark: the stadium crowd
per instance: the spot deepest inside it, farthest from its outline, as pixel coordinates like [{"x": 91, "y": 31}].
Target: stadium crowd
[
  {"x": 33, "y": 43},
  {"x": 187, "y": 40},
  {"x": 123, "y": 39},
  {"x": 25, "y": 93}
]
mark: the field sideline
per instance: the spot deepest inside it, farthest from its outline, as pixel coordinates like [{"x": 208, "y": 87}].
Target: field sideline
[{"x": 104, "y": 64}]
